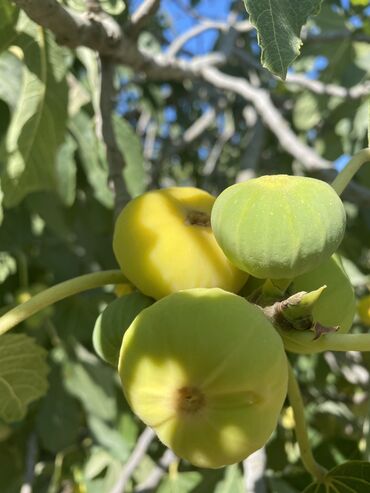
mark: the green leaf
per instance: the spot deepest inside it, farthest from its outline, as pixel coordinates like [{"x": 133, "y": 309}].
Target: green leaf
[
  {"x": 59, "y": 418},
  {"x": 232, "y": 482},
  {"x": 66, "y": 171},
  {"x": 8, "y": 266},
  {"x": 92, "y": 158},
  {"x": 352, "y": 476},
  {"x": 8, "y": 18},
  {"x": 1, "y": 205},
  {"x": 130, "y": 145},
  {"x": 184, "y": 482},
  {"x": 10, "y": 78},
  {"x": 23, "y": 375},
  {"x": 278, "y": 24},
  {"x": 38, "y": 123},
  {"x": 113, "y": 7},
  {"x": 109, "y": 438},
  {"x": 92, "y": 384}
]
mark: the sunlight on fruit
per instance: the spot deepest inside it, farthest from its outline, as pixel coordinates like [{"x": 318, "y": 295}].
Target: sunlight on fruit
[
  {"x": 163, "y": 243},
  {"x": 279, "y": 226},
  {"x": 208, "y": 372}
]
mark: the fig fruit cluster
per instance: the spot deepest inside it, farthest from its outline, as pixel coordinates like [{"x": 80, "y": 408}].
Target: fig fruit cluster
[{"x": 199, "y": 363}]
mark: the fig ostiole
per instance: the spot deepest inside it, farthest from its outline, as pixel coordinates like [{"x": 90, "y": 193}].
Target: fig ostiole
[
  {"x": 163, "y": 243},
  {"x": 113, "y": 322},
  {"x": 208, "y": 371},
  {"x": 278, "y": 227}
]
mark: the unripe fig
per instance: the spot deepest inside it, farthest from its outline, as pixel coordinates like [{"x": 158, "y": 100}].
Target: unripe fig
[
  {"x": 163, "y": 242},
  {"x": 278, "y": 227},
  {"x": 206, "y": 370},
  {"x": 113, "y": 322},
  {"x": 364, "y": 309},
  {"x": 336, "y": 306}
]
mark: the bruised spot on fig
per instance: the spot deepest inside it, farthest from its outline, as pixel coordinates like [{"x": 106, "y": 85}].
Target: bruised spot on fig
[
  {"x": 198, "y": 218},
  {"x": 189, "y": 400}
]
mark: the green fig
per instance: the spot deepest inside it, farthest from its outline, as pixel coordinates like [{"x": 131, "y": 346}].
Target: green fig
[
  {"x": 278, "y": 227},
  {"x": 114, "y": 321},
  {"x": 208, "y": 372},
  {"x": 336, "y": 306}
]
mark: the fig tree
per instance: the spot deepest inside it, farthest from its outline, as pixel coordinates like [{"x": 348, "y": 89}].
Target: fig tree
[
  {"x": 207, "y": 370},
  {"x": 278, "y": 227},
  {"x": 163, "y": 242}
]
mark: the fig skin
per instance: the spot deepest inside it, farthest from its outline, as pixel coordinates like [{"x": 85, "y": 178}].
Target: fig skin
[
  {"x": 335, "y": 307},
  {"x": 113, "y": 322},
  {"x": 208, "y": 372},
  {"x": 364, "y": 309},
  {"x": 163, "y": 243},
  {"x": 278, "y": 227}
]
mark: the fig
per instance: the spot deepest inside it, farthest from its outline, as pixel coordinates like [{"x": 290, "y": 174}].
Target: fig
[
  {"x": 113, "y": 322},
  {"x": 336, "y": 306},
  {"x": 163, "y": 243},
  {"x": 208, "y": 372},
  {"x": 123, "y": 289},
  {"x": 278, "y": 227},
  {"x": 363, "y": 309}
]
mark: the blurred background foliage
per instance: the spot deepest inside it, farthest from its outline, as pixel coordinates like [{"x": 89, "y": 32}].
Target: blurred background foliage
[{"x": 57, "y": 221}]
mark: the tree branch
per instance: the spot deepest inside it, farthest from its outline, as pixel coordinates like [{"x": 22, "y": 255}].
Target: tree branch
[
  {"x": 318, "y": 87},
  {"x": 116, "y": 162},
  {"x": 135, "y": 458},
  {"x": 254, "y": 468},
  {"x": 153, "y": 479},
  {"x": 96, "y": 33},
  {"x": 208, "y": 25},
  {"x": 141, "y": 16},
  {"x": 271, "y": 116},
  {"x": 100, "y": 33}
]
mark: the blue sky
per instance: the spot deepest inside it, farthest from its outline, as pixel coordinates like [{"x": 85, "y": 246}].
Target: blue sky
[{"x": 181, "y": 20}]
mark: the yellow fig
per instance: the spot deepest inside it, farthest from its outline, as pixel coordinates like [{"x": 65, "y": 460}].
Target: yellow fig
[
  {"x": 163, "y": 242},
  {"x": 363, "y": 309},
  {"x": 208, "y": 372}
]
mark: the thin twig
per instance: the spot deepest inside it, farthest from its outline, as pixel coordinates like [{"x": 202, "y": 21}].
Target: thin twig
[
  {"x": 208, "y": 25},
  {"x": 104, "y": 36},
  {"x": 214, "y": 155},
  {"x": 152, "y": 481},
  {"x": 141, "y": 16},
  {"x": 271, "y": 116},
  {"x": 30, "y": 464},
  {"x": 116, "y": 162},
  {"x": 135, "y": 458}
]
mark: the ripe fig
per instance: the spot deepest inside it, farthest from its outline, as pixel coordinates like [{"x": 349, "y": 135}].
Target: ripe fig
[
  {"x": 114, "y": 321},
  {"x": 336, "y": 306},
  {"x": 163, "y": 242},
  {"x": 206, "y": 370},
  {"x": 363, "y": 309},
  {"x": 278, "y": 227}
]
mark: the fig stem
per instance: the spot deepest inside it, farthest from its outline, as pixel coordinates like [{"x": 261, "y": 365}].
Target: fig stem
[
  {"x": 56, "y": 293},
  {"x": 295, "y": 398},
  {"x": 348, "y": 172},
  {"x": 345, "y": 342}
]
